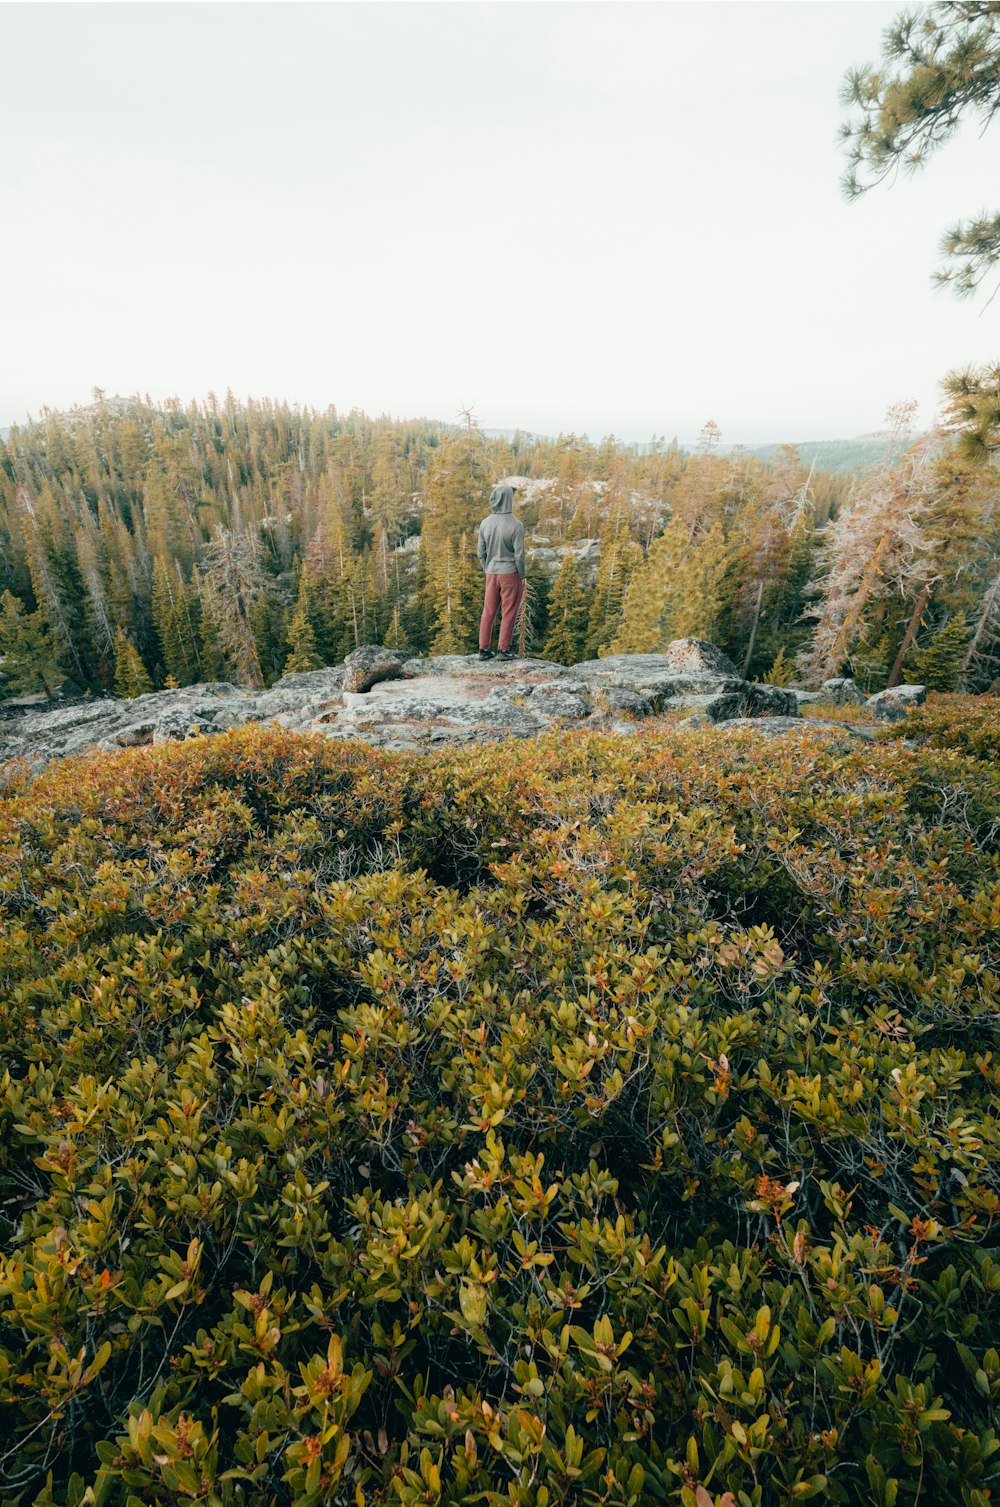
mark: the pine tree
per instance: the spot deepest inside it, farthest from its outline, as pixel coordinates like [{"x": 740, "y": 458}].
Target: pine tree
[
  {"x": 397, "y": 606},
  {"x": 533, "y": 618},
  {"x": 211, "y": 654},
  {"x": 567, "y": 631},
  {"x": 979, "y": 653},
  {"x": 444, "y": 585},
  {"x": 620, "y": 556},
  {"x": 175, "y": 612},
  {"x": 940, "y": 65},
  {"x": 699, "y": 497},
  {"x": 875, "y": 547},
  {"x": 234, "y": 575},
  {"x": 394, "y": 636},
  {"x": 675, "y": 593},
  {"x": 457, "y": 487},
  {"x": 51, "y": 570},
  {"x": 456, "y": 589},
  {"x": 870, "y": 662},
  {"x": 644, "y": 604},
  {"x": 772, "y": 501},
  {"x": 92, "y": 562},
  {"x": 331, "y": 570},
  {"x": 782, "y": 671},
  {"x": 789, "y": 599},
  {"x": 131, "y": 676},
  {"x": 421, "y": 609},
  {"x": 939, "y": 665},
  {"x": 355, "y": 614},
  {"x": 28, "y": 655},
  {"x": 388, "y": 498},
  {"x": 302, "y": 653}
]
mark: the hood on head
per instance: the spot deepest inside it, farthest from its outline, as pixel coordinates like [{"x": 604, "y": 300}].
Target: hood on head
[{"x": 502, "y": 498}]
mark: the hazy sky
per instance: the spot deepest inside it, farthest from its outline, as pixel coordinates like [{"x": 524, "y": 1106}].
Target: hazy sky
[{"x": 603, "y": 218}]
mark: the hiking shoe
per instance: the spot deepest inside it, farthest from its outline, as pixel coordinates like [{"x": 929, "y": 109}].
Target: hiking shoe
[
  {"x": 486, "y": 654},
  {"x": 505, "y": 654}
]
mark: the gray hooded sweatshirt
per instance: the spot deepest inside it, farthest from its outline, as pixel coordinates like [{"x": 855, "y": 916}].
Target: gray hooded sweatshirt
[{"x": 501, "y": 536}]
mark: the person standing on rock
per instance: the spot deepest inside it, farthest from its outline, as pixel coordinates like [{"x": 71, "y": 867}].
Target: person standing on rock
[{"x": 501, "y": 554}]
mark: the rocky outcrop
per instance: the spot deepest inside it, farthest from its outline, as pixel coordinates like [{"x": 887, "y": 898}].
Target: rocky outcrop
[
  {"x": 893, "y": 704},
  {"x": 385, "y": 698},
  {"x": 586, "y": 553}
]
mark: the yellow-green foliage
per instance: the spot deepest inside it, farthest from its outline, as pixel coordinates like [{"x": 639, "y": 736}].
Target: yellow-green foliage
[
  {"x": 605, "y": 1121},
  {"x": 970, "y": 724},
  {"x": 829, "y": 711}
]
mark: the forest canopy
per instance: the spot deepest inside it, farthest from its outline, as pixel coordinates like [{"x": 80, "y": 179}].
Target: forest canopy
[{"x": 145, "y": 546}]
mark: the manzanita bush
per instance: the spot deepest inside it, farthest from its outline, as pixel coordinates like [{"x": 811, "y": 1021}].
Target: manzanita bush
[{"x": 595, "y": 1120}]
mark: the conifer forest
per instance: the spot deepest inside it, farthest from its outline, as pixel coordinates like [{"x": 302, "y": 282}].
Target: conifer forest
[{"x": 146, "y": 546}]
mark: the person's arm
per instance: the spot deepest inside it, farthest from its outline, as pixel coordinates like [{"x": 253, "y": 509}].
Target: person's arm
[
  {"x": 481, "y": 547},
  {"x": 519, "y": 550}
]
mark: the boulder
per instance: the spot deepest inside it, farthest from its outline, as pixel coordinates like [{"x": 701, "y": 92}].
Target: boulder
[
  {"x": 712, "y": 708},
  {"x": 698, "y": 654},
  {"x": 750, "y": 700},
  {"x": 892, "y": 705},
  {"x": 842, "y": 692},
  {"x": 136, "y": 735},
  {"x": 771, "y": 700},
  {"x": 369, "y": 664},
  {"x": 621, "y": 700}
]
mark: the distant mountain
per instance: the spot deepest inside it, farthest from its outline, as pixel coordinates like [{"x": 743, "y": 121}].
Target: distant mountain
[
  {"x": 830, "y": 455},
  {"x": 855, "y": 454}
]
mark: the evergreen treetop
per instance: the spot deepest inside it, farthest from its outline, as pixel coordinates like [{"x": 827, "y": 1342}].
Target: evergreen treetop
[{"x": 940, "y": 65}]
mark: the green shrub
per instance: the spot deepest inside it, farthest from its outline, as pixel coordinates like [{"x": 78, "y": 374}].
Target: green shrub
[
  {"x": 970, "y": 724},
  {"x": 600, "y": 1120}
]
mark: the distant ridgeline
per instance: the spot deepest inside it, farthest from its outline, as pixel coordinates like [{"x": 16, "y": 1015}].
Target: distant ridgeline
[
  {"x": 838, "y": 455},
  {"x": 849, "y": 456},
  {"x": 146, "y": 545}
]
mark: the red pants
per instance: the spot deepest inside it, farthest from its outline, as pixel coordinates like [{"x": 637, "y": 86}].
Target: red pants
[{"x": 504, "y": 594}]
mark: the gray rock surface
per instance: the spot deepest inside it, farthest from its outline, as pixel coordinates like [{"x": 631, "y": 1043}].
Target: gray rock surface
[
  {"x": 842, "y": 691},
  {"x": 369, "y": 665},
  {"x": 384, "y": 698},
  {"x": 772, "y": 727},
  {"x": 586, "y": 553},
  {"x": 893, "y": 704},
  {"x": 684, "y": 657},
  {"x": 698, "y": 654}
]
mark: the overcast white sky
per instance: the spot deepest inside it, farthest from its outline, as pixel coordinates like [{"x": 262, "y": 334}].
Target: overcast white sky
[{"x": 603, "y": 218}]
